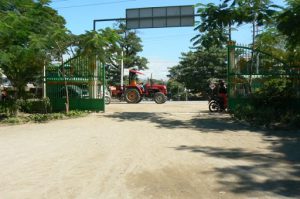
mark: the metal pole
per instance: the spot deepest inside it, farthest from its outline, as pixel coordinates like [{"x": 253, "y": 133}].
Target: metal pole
[
  {"x": 44, "y": 81},
  {"x": 104, "y": 85},
  {"x": 122, "y": 68}
]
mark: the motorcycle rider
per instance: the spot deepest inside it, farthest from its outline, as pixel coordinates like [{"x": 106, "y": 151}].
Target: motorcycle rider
[{"x": 222, "y": 95}]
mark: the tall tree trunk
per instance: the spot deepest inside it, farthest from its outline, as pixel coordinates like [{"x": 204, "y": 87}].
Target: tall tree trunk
[{"x": 67, "y": 104}]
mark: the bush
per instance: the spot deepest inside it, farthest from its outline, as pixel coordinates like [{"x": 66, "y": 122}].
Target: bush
[
  {"x": 76, "y": 113},
  {"x": 13, "y": 120},
  {"x": 35, "y": 105},
  {"x": 274, "y": 103},
  {"x": 39, "y": 117},
  {"x": 54, "y": 116},
  {"x": 9, "y": 107}
]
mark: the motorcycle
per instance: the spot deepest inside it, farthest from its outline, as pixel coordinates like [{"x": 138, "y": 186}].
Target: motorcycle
[
  {"x": 107, "y": 95},
  {"x": 215, "y": 104}
]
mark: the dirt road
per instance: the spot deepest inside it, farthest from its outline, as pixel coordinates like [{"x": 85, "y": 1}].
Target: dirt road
[{"x": 177, "y": 150}]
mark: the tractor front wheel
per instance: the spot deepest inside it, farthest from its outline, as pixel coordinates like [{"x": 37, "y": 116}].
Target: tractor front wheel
[
  {"x": 159, "y": 98},
  {"x": 132, "y": 96}
]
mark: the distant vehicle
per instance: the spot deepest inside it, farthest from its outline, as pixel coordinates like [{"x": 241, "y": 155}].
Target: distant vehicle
[
  {"x": 135, "y": 93},
  {"x": 5, "y": 82}
]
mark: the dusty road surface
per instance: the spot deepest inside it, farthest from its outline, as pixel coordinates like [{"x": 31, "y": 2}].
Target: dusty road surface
[{"x": 177, "y": 150}]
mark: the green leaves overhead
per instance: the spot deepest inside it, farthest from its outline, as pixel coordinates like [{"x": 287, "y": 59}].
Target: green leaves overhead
[
  {"x": 130, "y": 44},
  {"x": 94, "y": 43},
  {"x": 214, "y": 20},
  {"x": 217, "y": 21},
  {"x": 289, "y": 23},
  {"x": 27, "y": 36}
]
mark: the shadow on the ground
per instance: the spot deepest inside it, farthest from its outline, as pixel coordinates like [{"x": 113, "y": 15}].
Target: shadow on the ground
[
  {"x": 278, "y": 171},
  {"x": 206, "y": 122}
]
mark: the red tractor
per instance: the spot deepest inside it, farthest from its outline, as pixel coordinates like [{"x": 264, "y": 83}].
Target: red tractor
[{"x": 134, "y": 93}]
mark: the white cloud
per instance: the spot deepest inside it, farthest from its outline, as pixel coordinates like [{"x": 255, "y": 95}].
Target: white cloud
[{"x": 158, "y": 67}]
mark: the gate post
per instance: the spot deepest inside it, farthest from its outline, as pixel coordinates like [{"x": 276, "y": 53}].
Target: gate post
[
  {"x": 230, "y": 69},
  {"x": 231, "y": 53}
]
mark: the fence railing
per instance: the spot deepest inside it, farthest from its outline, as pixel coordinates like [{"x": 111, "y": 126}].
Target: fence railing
[
  {"x": 83, "y": 78},
  {"x": 249, "y": 69}
]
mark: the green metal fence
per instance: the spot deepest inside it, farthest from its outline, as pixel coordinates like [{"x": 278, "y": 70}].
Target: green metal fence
[
  {"x": 249, "y": 68},
  {"x": 83, "y": 78}
]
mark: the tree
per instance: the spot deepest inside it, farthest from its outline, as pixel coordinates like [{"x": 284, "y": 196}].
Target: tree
[
  {"x": 289, "y": 23},
  {"x": 196, "y": 68},
  {"x": 216, "y": 19},
  {"x": 175, "y": 89},
  {"x": 98, "y": 43},
  {"x": 275, "y": 43},
  {"x": 27, "y": 38},
  {"x": 256, "y": 12},
  {"x": 131, "y": 45},
  {"x": 212, "y": 27}
]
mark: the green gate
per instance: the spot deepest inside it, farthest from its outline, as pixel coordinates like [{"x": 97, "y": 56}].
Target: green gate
[
  {"x": 249, "y": 68},
  {"x": 83, "y": 78}
]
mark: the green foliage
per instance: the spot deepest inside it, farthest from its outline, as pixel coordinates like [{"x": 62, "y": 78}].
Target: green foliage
[
  {"x": 9, "y": 107},
  {"x": 247, "y": 11},
  {"x": 274, "y": 103},
  {"x": 276, "y": 88},
  {"x": 276, "y": 44},
  {"x": 175, "y": 89},
  {"x": 14, "y": 120},
  {"x": 131, "y": 45},
  {"x": 55, "y": 116},
  {"x": 213, "y": 24},
  {"x": 289, "y": 24},
  {"x": 35, "y": 105},
  {"x": 76, "y": 113},
  {"x": 217, "y": 20},
  {"x": 28, "y": 30},
  {"x": 96, "y": 43},
  {"x": 196, "y": 68},
  {"x": 40, "y": 118}
]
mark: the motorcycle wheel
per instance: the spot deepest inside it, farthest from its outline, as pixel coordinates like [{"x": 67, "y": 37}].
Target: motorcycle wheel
[
  {"x": 107, "y": 100},
  {"x": 214, "y": 106}
]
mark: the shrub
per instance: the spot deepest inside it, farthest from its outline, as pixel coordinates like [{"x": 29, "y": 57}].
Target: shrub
[
  {"x": 15, "y": 120},
  {"x": 76, "y": 113},
  {"x": 275, "y": 102},
  {"x": 9, "y": 107},
  {"x": 35, "y": 105},
  {"x": 39, "y": 117}
]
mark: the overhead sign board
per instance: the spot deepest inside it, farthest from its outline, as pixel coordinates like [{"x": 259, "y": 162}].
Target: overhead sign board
[{"x": 160, "y": 17}]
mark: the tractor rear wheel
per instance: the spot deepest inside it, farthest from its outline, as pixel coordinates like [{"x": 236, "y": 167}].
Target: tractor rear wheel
[
  {"x": 159, "y": 98},
  {"x": 132, "y": 96}
]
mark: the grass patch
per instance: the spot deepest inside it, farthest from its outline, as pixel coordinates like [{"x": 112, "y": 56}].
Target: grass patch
[{"x": 40, "y": 118}]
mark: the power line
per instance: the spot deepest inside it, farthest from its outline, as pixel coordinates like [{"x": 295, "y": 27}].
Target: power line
[{"x": 95, "y": 4}]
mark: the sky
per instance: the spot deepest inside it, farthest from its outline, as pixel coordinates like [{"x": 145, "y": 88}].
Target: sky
[{"x": 161, "y": 46}]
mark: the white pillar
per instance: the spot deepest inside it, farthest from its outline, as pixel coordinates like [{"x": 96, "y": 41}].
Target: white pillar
[{"x": 44, "y": 81}]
